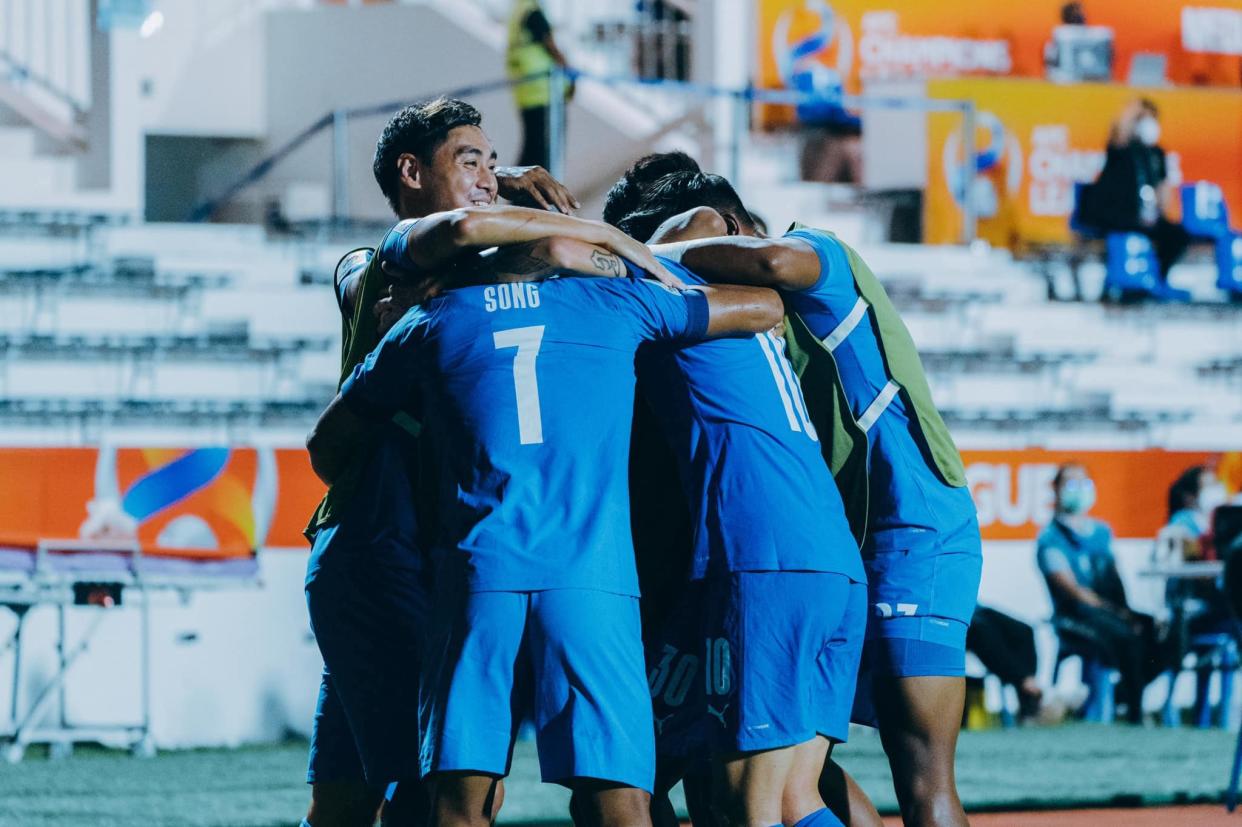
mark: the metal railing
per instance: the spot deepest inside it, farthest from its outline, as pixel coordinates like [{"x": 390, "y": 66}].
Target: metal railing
[
  {"x": 45, "y": 51},
  {"x": 740, "y": 103}
]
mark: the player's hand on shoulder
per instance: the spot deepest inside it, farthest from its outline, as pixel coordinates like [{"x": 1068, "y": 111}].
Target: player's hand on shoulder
[
  {"x": 640, "y": 255},
  {"x": 398, "y": 300},
  {"x": 534, "y": 186}
]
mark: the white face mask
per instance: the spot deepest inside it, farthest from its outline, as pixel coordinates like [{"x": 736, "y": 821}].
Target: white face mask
[
  {"x": 1077, "y": 496},
  {"x": 1211, "y": 497},
  {"x": 1148, "y": 130}
]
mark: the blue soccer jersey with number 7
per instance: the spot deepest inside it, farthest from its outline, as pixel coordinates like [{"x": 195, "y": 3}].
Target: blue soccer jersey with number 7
[
  {"x": 761, "y": 496},
  {"x": 528, "y": 391}
]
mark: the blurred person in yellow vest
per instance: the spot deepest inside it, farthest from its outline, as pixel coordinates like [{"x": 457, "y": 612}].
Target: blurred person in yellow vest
[{"x": 533, "y": 51}]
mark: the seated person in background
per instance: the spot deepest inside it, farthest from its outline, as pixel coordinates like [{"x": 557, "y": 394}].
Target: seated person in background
[
  {"x": 1075, "y": 556},
  {"x": 1192, "y": 498},
  {"x": 1006, "y": 648},
  {"x": 1136, "y": 186},
  {"x": 1196, "y": 607}
]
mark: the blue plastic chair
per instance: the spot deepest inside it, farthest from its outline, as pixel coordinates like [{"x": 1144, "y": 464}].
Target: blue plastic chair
[
  {"x": 1215, "y": 652},
  {"x": 1229, "y": 264},
  {"x": 1131, "y": 264},
  {"x": 1205, "y": 215},
  {"x": 1101, "y": 699}
]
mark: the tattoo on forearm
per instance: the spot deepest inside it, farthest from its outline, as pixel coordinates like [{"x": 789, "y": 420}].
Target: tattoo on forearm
[{"x": 607, "y": 263}]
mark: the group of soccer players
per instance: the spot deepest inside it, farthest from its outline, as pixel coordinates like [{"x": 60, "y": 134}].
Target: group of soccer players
[{"x": 537, "y": 413}]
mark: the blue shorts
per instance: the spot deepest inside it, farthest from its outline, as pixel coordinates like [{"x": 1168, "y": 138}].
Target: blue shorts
[
  {"x": 774, "y": 663},
  {"x": 368, "y": 620},
  {"x": 675, "y": 679},
  {"x": 925, "y": 592},
  {"x": 573, "y": 655},
  {"x": 922, "y": 599}
]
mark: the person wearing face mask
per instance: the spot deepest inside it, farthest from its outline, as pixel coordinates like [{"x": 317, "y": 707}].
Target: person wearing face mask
[
  {"x": 1196, "y": 607},
  {"x": 1193, "y": 497},
  {"x": 1136, "y": 185},
  {"x": 1090, "y": 611}
]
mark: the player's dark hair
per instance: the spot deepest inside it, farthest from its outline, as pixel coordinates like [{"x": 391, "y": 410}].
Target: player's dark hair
[
  {"x": 418, "y": 129},
  {"x": 624, "y": 196},
  {"x": 677, "y": 193},
  {"x": 1150, "y": 106},
  {"x": 1185, "y": 489}
]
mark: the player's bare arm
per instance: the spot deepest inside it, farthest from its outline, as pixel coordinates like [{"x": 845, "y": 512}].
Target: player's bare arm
[
  {"x": 698, "y": 235},
  {"x": 333, "y": 442},
  {"x": 783, "y": 263},
  {"x": 540, "y": 259},
  {"x": 441, "y": 237},
  {"x": 532, "y": 261},
  {"x": 736, "y": 309}
]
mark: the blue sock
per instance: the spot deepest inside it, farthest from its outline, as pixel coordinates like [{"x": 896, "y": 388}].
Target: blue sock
[{"x": 820, "y": 818}]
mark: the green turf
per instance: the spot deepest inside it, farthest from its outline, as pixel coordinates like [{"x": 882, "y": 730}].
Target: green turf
[{"x": 1077, "y": 764}]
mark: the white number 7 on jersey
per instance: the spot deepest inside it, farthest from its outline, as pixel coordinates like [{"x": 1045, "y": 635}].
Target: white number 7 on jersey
[{"x": 527, "y": 341}]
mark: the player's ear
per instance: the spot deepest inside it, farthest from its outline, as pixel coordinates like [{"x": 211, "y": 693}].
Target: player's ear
[{"x": 409, "y": 171}]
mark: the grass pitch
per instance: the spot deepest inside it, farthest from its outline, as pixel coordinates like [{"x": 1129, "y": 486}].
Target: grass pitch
[{"x": 262, "y": 786}]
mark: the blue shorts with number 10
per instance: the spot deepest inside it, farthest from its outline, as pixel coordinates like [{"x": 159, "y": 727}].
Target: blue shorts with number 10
[{"x": 736, "y": 674}]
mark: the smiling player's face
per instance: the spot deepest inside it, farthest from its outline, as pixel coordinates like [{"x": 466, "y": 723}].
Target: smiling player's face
[{"x": 462, "y": 171}]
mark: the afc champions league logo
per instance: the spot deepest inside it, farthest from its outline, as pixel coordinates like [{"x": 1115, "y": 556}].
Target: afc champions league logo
[
  {"x": 813, "y": 48},
  {"x": 219, "y": 498},
  {"x": 998, "y": 165}
]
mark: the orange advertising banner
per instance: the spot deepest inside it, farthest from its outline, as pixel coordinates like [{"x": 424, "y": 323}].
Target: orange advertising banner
[
  {"x": 209, "y": 502},
  {"x": 1035, "y": 139},
  {"x": 858, "y": 40},
  {"x": 226, "y": 502},
  {"x": 1013, "y": 489}
]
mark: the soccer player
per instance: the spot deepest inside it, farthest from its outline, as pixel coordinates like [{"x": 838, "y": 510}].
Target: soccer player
[
  {"x": 528, "y": 388},
  {"x": 923, "y": 553},
  {"x": 366, "y": 580},
  {"x": 780, "y": 591}
]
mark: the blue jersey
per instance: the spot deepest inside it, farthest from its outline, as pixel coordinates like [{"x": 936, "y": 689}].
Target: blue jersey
[
  {"x": 529, "y": 391},
  {"x": 1087, "y": 556},
  {"x": 378, "y": 519},
  {"x": 748, "y": 455},
  {"x": 909, "y": 503}
]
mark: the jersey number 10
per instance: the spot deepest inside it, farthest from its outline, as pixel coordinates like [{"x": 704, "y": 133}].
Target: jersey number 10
[
  {"x": 525, "y": 383},
  {"x": 787, "y": 385}
]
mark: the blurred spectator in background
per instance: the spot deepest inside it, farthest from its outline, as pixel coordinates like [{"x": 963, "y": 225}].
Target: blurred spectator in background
[
  {"x": 1006, "y": 648},
  {"x": 1072, "y": 14},
  {"x": 1078, "y": 52},
  {"x": 1193, "y": 497},
  {"x": 533, "y": 51},
  {"x": 1136, "y": 186},
  {"x": 1090, "y": 611},
  {"x": 1196, "y": 606},
  {"x": 663, "y": 41}
]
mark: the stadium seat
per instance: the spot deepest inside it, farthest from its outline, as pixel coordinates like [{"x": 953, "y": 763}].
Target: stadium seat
[
  {"x": 1205, "y": 215},
  {"x": 1215, "y": 653},
  {"x": 989, "y": 684},
  {"x": 1229, "y": 264},
  {"x": 1132, "y": 269},
  {"x": 1099, "y": 678}
]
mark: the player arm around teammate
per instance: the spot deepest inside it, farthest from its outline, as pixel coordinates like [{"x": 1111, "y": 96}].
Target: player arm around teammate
[{"x": 340, "y": 432}]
